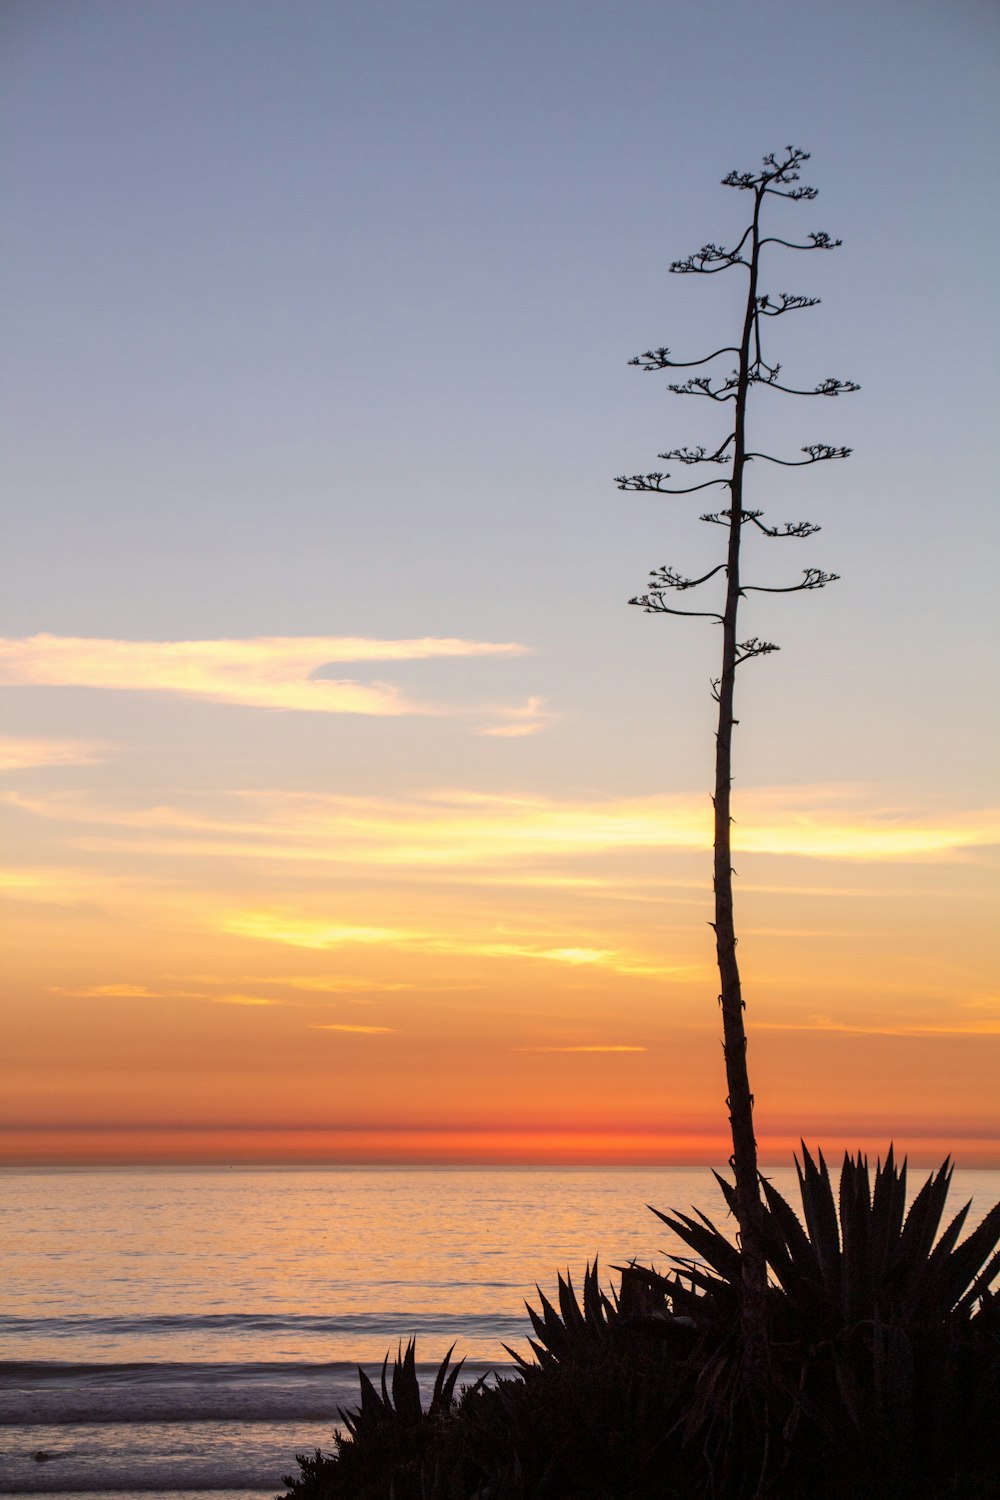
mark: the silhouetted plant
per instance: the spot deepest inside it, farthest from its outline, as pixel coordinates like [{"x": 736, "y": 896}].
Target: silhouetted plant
[
  {"x": 778, "y": 178},
  {"x": 884, "y": 1336},
  {"x": 404, "y": 1405},
  {"x": 385, "y": 1448},
  {"x": 883, "y": 1376}
]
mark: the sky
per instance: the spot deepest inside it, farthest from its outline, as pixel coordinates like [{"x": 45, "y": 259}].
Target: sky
[{"x": 351, "y": 814}]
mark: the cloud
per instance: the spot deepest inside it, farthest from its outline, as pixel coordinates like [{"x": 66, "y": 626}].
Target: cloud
[
  {"x": 530, "y": 719},
  {"x": 244, "y": 1000},
  {"x": 298, "y": 932},
  {"x": 278, "y": 672},
  {"x": 108, "y": 991},
  {"x": 454, "y": 829},
  {"x": 611, "y": 1047},
  {"x": 901, "y": 1028},
  {"x": 333, "y": 984},
  {"x": 123, "y": 992},
  {"x": 360, "y": 1030},
  {"x": 337, "y": 984},
  {"x": 20, "y": 754}
]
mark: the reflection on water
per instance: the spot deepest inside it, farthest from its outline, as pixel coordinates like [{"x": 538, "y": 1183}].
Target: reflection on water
[{"x": 317, "y": 1265}]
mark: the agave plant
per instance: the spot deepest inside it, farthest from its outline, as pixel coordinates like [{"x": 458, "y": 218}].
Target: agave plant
[
  {"x": 884, "y": 1334},
  {"x": 872, "y": 1259},
  {"x": 575, "y": 1329},
  {"x": 403, "y": 1406},
  {"x": 387, "y": 1436}
]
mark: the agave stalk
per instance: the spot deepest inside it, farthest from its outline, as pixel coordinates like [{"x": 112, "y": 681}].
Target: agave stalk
[{"x": 779, "y": 177}]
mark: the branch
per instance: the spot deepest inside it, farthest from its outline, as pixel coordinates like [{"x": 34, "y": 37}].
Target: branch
[
  {"x": 774, "y": 171},
  {"x": 711, "y": 258},
  {"x": 698, "y": 455},
  {"x": 701, "y": 385},
  {"x": 753, "y": 647},
  {"x": 829, "y": 387},
  {"x": 790, "y": 528},
  {"x": 650, "y": 484},
  {"x": 658, "y": 359},
  {"x": 802, "y": 192},
  {"x": 820, "y": 241},
  {"x": 652, "y": 604},
  {"x": 818, "y": 453},
  {"x": 814, "y": 578},
  {"x": 668, "y": 578},
  {"x": 789, "y": 303}
]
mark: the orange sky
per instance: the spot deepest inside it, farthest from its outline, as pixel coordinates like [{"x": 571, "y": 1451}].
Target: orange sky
[{"x": 455, "y": 975}]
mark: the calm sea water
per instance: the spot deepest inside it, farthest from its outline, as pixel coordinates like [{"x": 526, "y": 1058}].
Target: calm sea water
[{"x": 174, "y": 1332}]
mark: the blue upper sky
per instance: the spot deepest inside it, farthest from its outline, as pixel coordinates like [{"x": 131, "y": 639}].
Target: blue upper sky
[{"x": 317, "y": 320}]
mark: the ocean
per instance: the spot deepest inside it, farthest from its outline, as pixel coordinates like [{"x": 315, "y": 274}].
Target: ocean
[{"x": 183, "y": 1332}]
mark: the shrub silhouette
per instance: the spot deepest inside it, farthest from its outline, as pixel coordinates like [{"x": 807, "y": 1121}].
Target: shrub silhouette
[{"x": 883, "y": 1371}]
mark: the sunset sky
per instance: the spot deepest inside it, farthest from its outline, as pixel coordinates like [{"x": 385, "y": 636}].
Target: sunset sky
[{"x": 350, "y": 813}]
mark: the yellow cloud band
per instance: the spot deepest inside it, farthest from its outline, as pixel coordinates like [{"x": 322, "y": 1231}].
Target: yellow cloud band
[{"x": 265, "y": 672}]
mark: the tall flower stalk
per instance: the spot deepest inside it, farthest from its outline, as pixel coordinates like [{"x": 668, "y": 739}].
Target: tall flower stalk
[{"x": 779, "y": 177}]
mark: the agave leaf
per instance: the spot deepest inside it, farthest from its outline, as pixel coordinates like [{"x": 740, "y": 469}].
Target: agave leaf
[
  {"x": 979, "y": 1290},
  {"x": 405, "y": 1385},
  {"x": 655, "y": 1280},
  {"x": 568, "y": 1305},
  {"x": 888, "y": 1208},
  {"x": 949, "y": 1239},
  {"x": 598, "y": 1309},
  {"x": 855, "y": 1229},
  {"x": 924, "y": 1218},
  {"x": 786, "y": 1246},
  {"x": 799, "y": 1257},
  {"x": 967, "y": 1260},
  {"x": 709, "y": 1243},
  {"x": 943, "y": 1280},
  {"x": 542, "y": 1354},
  {"x": 728, "y": 1191},
  {"x": 519, "y": 1359},
  {"x": 700, "y": 1276},
  {"x": 545, "y": 1325},
  {"x": 444, "y": 1383},
  {"x": 821, "y": 1219},
  {"x": 686, "y": 1302},
  {"x": 374, "y": 1409}
]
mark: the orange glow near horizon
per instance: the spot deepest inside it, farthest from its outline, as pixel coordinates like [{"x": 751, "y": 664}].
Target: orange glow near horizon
[
  {"x": 457, "y": 976},
  {"x": 452, "y": 1148}
]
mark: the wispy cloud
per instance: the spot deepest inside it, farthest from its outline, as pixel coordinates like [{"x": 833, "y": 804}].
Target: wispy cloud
[
  {"x": 21, "y": 754},
  {"x": 278, "y": 672},
  {"x": 889, "y": 1028},
  {"x": 326, "y": 984},
  {"x": 108, "y": 991},
  {"x": 298, "y": 932},
  {"x": 360, "y": 1030},
  {"x": 252, "y": 1000},
  {"x": 279, "y": 928},
  {"x": 343, "y": 984},
  {"x": 602, "y": 1047},
  {"x": 454, "y": 829},
  {"x": 518, "y": 722}
]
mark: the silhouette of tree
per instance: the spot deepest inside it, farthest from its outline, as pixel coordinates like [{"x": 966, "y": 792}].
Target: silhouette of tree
[{"x": 779, "y": 177}]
